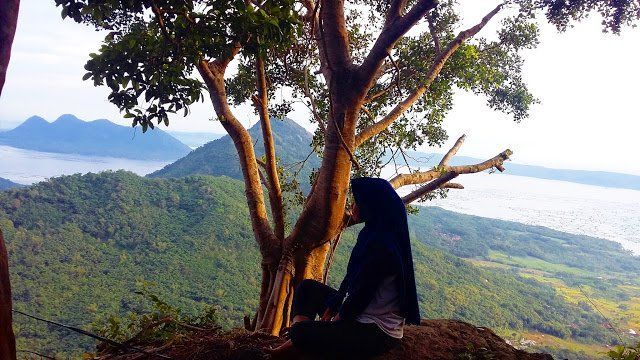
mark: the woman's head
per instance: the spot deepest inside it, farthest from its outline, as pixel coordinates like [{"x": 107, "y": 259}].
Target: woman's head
[{"x": 377, "y": 203}]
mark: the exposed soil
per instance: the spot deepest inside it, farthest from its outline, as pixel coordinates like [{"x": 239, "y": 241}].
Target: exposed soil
[{"x": 433, "y": 339}]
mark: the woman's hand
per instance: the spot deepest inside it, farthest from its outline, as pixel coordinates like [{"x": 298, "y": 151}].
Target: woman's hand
[{"x": 327, "y": 316}]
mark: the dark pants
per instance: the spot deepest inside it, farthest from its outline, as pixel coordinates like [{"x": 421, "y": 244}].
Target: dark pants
[{"x": 337, "y": 339}]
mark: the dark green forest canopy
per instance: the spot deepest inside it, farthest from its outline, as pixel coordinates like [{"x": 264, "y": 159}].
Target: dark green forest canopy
[
  {"x": 148, "y": 58},
  {"x": 81, "y": 245}
]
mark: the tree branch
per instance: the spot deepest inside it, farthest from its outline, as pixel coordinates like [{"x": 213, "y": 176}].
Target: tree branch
[
  {"x": 452, "y": 152},
  {"x": 312, "y": 100},
  {"x": 420, "y": 177},
  {"x": 434, "y": 34},
  {"x": 451, "y": 185},
  {"x": 335, "y": 36},
  {"x": 275, "y": 192},
  {"x": 224, "y": 61},
  {"x": 395, "y": 27},
  {"x": 352, "y": 157},
  {"x": 213, "y": 75},
  {"x": 395, "y": 11},
  {"x": 433, "y": 72},
  {"x": 435, "y": 184},
  {"x": 161, "y": 24}
]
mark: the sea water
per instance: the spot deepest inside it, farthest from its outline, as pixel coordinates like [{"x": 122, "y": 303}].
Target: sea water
[
  {"x": 608, "y": 213},
  {"x": 27, "y": 166}
]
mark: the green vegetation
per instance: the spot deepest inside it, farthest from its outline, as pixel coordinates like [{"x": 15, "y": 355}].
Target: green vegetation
[
  {"x": 7, "y": 184},
  {"x": 522, "y": 245},
  {"x": 81, "y": 246},
  {"x": 625, "y": 353},
  {"x": 585, "y": 271},
  {"x": 161, "y": 323},
  {"x": 219, "y": 157}
]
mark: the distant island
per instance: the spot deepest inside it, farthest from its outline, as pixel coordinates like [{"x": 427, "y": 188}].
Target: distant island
[
  {"x": 6, "y": 184},
  {"x": 70, "y": 135}
]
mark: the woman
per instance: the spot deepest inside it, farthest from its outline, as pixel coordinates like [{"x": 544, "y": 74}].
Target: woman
[{"x": 366, "y": 315}]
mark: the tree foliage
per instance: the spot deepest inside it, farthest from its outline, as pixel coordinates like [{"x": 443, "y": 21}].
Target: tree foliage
[{"x": 149, "y": 55}]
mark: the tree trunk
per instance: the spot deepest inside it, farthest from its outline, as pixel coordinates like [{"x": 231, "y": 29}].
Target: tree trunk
[
  {"x": 8, "y": 21},
  {"x": 281, "y": 291},
  {"x": 7, "y": 339},
  {"x": 305, "y": 250}
]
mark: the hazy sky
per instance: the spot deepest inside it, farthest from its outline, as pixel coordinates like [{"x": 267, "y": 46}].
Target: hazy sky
[{"x": 587, "y": 82}]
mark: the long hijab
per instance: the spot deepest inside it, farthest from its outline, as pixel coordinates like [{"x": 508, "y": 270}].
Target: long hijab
[{"x": 385, "y": 222}]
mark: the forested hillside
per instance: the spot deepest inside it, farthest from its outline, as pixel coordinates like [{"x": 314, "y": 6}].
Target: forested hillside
[
  {"x": 219, "y": 157},
  {"x": 7, "y": 184},
  {"x": 81, "y": 245}
]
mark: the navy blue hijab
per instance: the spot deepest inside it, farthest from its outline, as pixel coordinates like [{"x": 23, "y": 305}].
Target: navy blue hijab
[{"x": 385, "y": 224}]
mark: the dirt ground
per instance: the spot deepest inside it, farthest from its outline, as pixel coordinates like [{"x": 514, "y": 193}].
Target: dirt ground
[{"x": 433, "y": 339}]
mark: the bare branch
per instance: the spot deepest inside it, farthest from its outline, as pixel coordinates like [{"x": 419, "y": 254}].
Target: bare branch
[
  {"x": 420, "y": 177},
  {"x": 452, "y": 152},
  {"x": 433, "y": 72},
  {"x": 451, "y": 185},
  {"x": 435, "y": 184},
  {"x": 494, "y": 162}
]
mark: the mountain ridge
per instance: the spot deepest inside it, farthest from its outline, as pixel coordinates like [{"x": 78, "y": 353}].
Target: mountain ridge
[
  {"x": 6, "y": 184},
  {"x": 101, "y": 137},
  {"x": 212, "y": 159},
  {"x": 219, "y": 157}
]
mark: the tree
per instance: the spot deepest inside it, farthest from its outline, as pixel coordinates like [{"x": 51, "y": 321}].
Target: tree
[
  {"x": 378, "y": 78},
  {"x": 8, "y": 21},
  {"x": 7, "y": 339}
]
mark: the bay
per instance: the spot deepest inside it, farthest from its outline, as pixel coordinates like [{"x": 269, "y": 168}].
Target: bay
[
  {"x": 27, "y": 166},
  {"x": 608, "y": 213}
]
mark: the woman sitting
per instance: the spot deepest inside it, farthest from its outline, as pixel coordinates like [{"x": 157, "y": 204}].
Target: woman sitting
[{"x": 366, "y": 315}]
